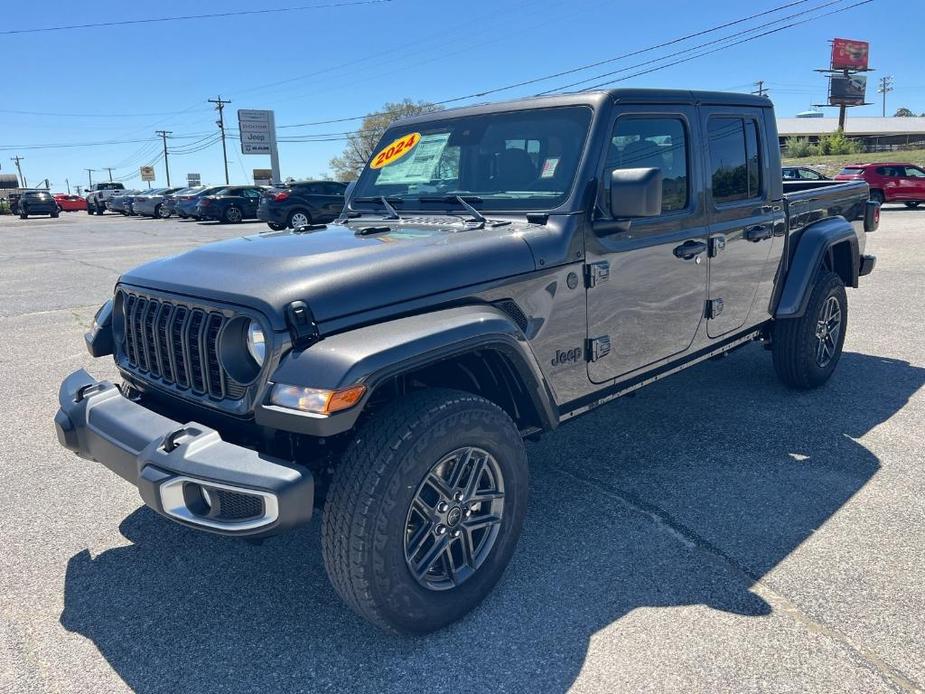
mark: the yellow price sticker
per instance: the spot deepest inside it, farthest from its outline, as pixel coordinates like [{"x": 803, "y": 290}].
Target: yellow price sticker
[{"x": 395, "y": 150}]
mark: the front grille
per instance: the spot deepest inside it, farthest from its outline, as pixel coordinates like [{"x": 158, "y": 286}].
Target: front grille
[{"x": 177, "y": 345}]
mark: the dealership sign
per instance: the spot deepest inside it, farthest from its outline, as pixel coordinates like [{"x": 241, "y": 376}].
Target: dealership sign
[
  {"x": 193, "y": 180},
  {"x": 147, "y": 173},
  {"x": 849, "y": 55},
  {"x": 257, "y": 129}
]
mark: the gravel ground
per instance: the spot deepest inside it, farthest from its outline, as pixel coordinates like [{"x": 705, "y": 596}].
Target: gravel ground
[{"x": 714, "y": 533}]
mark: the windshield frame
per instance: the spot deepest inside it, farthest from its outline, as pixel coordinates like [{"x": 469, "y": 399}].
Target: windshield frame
[{"x": 398, "y": 129}]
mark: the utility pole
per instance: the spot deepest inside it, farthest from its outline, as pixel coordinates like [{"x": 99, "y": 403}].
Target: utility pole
[
  {"x": 68, "y": 184},
  {"x": 886, "y": 86},
  {"x": 109, "y": 169},
  {"x": 90, "y": 176},
  {"x": 18, "y": 159},
  {"x": 164, "y": 134},
  {"x": 220, "y": 107},
  {"x": 760, "y": 89}
]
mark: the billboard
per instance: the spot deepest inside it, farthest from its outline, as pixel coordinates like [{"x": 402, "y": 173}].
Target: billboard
[
  {"x": 257, "y": 131},
  {"x": 147, "y": 173},
  {"x": 849, "y": 55},
  {"x": 847, "y": 91},
  {"x": 263, "y": 177}
]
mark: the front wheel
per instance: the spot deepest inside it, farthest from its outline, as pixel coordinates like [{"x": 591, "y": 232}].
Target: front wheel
[
  {"x": 425, "y": 509},
  {"x": 877, "y": 196},
  {"x": 807, "y": 349},
  {"x": 276, "y": 227}
]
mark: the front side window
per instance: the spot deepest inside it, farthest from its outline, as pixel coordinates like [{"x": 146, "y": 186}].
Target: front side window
[
  {"x": 735, "y": 159},
  {"x": 914, "y": 172},
  {"x": 810, "y": 175},
  {"x": 643, "y": 142},
  {"x": 513, "y": 160}
]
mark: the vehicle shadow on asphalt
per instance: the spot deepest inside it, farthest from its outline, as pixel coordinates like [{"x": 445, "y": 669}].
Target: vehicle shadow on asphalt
[{"x": 687, "y": 494}]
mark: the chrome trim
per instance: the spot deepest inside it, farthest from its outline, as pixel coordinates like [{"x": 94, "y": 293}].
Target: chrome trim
[{"x": 174, "y": 504}]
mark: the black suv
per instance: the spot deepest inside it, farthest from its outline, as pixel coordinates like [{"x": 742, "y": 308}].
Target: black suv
[
  {"x": 37, "y": 202},
  {"x": 232, "y": 204},
  {"x": 300, "y": 204}
]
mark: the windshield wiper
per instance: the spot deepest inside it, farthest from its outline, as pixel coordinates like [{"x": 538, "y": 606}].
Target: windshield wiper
[
  {"x": 385, "y": 202},
  {"x": 477, "y": 216}
]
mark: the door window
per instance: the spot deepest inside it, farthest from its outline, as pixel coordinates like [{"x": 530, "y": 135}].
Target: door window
[
  {"x": 735, "y": 159},
  {"x": 810, "y": 175},
  {"x": 914, "y": 172},
  {"x": 641, "y": 142}
]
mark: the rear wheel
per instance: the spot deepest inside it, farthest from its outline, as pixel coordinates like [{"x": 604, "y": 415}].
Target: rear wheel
[
  {"x": 54, "y": 215},
  {"x": 276, "y": 227},
  {"x": 23, "y": 215},
  {"x": 807, "y": 349},
  {"x": 299, "y": 218},
  {"x": 913, "y": 204},
  {"x": 161, "y": 212},
  {"x": 425, "y": 509},
  {"x": 877, "y": 196},
  {"x": 232, "y": 215}
]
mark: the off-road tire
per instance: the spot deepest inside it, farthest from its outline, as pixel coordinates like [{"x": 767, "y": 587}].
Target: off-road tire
[
  {"x": 795, "y": 339},
  {"x": 369, "y": 499}
]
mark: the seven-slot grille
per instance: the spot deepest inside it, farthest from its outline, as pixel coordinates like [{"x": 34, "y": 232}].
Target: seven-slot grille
[{"x": 176, "y": 344}]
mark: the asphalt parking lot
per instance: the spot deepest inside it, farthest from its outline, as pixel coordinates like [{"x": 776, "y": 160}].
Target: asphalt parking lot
[{"x": 716, "y": 532}]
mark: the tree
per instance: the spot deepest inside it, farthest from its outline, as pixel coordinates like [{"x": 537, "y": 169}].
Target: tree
[
  {"x": 360, "y": 145},
  {"x": 903, "y": 113}
]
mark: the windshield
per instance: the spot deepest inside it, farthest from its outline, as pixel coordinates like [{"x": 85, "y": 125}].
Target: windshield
[{"x": 520, "y": 160}]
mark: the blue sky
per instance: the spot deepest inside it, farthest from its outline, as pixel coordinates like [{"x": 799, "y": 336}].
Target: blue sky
[{"x": 122, "y": 83}]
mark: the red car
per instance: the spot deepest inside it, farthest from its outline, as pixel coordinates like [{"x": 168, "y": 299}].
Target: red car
[
  {"x": 889, "y": 182},
  {"x": 70, "y": 203}
]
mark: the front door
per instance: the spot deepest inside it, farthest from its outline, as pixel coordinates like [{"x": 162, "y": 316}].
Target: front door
[
  {"x": 251, "y": 200},
  {"x": 913, "y": 184},
  {"x": 647, "y": 282},
  {"x": 743, "y": 221}
]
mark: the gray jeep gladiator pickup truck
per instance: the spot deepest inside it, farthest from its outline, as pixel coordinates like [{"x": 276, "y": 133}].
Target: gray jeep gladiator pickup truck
[{"x": 496, "y": 271}]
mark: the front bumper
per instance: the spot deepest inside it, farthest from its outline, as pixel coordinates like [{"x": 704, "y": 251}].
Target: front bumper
[
  {"x": 184, "y": 472},
  {"x": 867, "y": 265}
]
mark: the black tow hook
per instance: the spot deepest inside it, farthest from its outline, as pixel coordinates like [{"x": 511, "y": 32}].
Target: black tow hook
[
  {"x": 86, "y": 390},
  {"x": 171, "y": 441}
]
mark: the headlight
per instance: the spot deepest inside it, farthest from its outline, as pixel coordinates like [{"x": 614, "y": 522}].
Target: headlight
[
  {"x": 256, "y": 344},
  {"x": 315, "y": 400}
]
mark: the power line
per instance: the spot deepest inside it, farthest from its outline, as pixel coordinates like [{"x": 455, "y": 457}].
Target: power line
[
  {"x": 220, "y": 107},
  {"x": 180, "y": 18},
  {"x": 760, "y": 89}
]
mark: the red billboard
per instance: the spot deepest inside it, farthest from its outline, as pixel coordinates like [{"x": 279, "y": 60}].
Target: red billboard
[{"x": 849, "y": 55}]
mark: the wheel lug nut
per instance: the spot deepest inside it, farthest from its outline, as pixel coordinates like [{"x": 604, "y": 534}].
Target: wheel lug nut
[
  {"x": 467, "y": 513},
  {"x": 454, "y": 534},
  {"x": 458, "y": 496},
  {"x": 442, "y": 507},
  {"x": 440, "y": 529}
]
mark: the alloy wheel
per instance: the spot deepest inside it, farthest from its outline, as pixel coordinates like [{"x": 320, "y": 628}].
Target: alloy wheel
[
  {"x": 454, "y": 519},
  {"x": 828, "y": 330},
  {"x": 299, "y": 219}
]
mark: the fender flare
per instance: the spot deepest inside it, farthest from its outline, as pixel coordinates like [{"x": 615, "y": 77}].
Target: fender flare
[
  {"x": 373, "y": 354},
  {"x": 814, "y": 242}
]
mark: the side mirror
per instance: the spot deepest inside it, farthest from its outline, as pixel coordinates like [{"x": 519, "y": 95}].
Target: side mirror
[{"x": 635, "y": 193}]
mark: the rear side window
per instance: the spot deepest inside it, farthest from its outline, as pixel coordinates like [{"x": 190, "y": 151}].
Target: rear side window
[
  {"x": 734, "y": 158},
  {"x": 851, "y": 171},
  {"x": 641, "y": 142}
]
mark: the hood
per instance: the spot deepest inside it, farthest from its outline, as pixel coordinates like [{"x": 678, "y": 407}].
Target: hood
[{"x": 338, "y": 272}]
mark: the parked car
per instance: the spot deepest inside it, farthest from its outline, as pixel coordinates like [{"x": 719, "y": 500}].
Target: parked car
[
  {"x": 151, "y": 204},
  {"x": 889, "y": 182},
  {"x": 232, "y": 204},
  {"x": 116, "y": 203},
  {"x": 186, "y": 202},
  {"x": 500, "y": 269},
  {"x": 129, "y": 203},
  {"x": 302, "y": 203},
  {"x": 169, "y": 206},
  {"x": 70, "y": 203},
  {"x": 802, "y": 173},
  {"x": 100, "y": 194},
  {"x": 35, "y": 202}
]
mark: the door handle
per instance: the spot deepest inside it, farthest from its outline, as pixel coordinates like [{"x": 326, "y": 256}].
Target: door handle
[
  {"x": 758, "y": 233},
  {"x": 690, "y": 250}
]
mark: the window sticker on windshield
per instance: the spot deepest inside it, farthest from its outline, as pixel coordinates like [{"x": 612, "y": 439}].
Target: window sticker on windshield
[
  {"x": 395, "y": 150},
  {"x": 549, "y": 167},
  {"x": 420, "y": 166}
]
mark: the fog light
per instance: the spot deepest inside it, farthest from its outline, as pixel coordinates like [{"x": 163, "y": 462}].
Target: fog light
[{"x": 315, "y": 400}]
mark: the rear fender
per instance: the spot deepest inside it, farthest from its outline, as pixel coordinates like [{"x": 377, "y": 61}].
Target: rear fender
[
  {"x": 375, "y": 354},
  {"x": 816, "y": 241}
]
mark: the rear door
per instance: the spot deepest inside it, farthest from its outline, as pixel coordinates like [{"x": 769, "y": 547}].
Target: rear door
[
  {"x": 742, "y": 220},
  {"x": 646, "y": 283},
  {"x": 333, "y": 198},
  {"x": 251, "y": 197}
]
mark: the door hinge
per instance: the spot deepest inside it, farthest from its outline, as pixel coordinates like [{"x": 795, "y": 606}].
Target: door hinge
[
  {"x": 714, "y": 307},
  {"x": 717, "y": 244},
  {"x": 597, "y": 347},
  {"x": 596, "y": 273}
]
